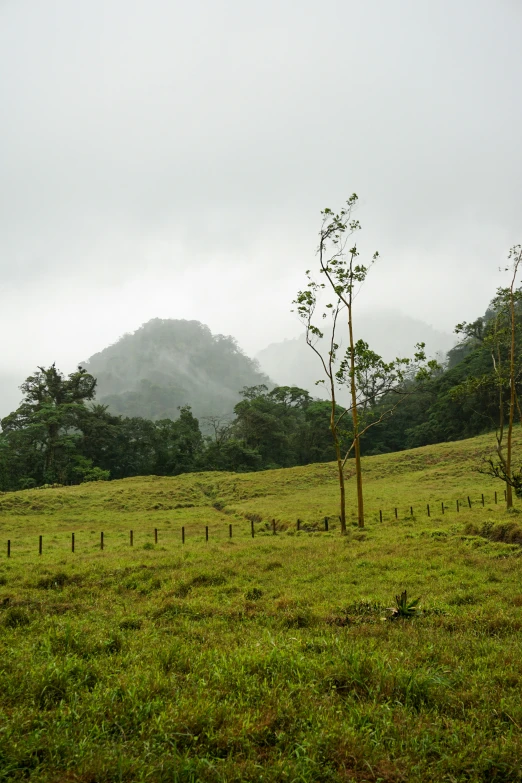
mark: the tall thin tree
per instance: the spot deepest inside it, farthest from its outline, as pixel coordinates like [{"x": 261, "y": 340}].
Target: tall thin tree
[{"x": 368, "y": 377}]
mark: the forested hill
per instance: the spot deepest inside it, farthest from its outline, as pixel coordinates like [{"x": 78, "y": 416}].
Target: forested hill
[{"x": 169, "y": 363}]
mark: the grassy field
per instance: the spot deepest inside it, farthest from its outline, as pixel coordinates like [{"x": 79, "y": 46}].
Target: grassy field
[{"x": 271, "y": 658}]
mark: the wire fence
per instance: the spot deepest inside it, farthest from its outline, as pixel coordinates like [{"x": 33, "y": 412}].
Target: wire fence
[{"x": 162, "y": 536}]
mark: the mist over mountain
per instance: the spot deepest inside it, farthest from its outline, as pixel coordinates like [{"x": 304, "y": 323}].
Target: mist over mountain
[
  {"x": 168, "y": 363},
  {"x": 388, "y": 332}
]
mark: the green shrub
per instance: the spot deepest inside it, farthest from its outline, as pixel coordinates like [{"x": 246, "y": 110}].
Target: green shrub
[{"x": 505, "y": 532}]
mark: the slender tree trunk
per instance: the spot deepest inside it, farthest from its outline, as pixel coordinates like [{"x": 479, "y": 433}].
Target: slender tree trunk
[
  {"x": 355, "y": 421},
  {"x": 335, "y": 434},
  {"x": 509, "y": 493},
  {"x": 341, "y": 485},
  {"x": 497, "y": 367},
  {"x": 500, "y": 450},
  {"x": 509, "y": 488}
]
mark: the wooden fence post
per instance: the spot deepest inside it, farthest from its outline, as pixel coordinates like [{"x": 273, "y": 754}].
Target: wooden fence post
[
  {"x": 299, "y": 524},
  {"x": 206, "y": 532},
  {"x": 380, "y": 515},
  {"x": 458, "y": 509},
  {"x": 230, "y": 531},
  {"x": 40, "y": 545},
  {"x": 72, "y": 542},
  {"x": 101, "y": 540},
  {"x": 442, "y": 506},
  {"x": 411, "y": 511},
  {"x": 182, "y": 535},
  {"x": 396, "y": 515},
  {"x": 132, "y": 537},
  {"x": 496, "y": 501},
  {"x": 428, "y": 507},
  {"x": 252, "y": 527},
  {"x": 326, "y": 523},
  {"x": 469, "y": 501},
  {"x": 155, "y": 535},
  {"x": 8, "y": 547},
  {"x": 273, "y": 527},
  {"x": 482, "y": 499}
]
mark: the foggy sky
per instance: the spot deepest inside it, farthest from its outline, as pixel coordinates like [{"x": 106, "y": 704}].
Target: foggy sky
[{"x": 170, "y": 159}]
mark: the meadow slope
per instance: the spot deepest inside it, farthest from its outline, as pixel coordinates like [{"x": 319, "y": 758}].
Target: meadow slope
[{"x": 269, "y": 658}]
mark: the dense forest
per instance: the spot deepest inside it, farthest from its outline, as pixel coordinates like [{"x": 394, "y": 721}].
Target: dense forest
[
  {"x": 61, "y": 433},
  {"x": 58, "y": 435}
]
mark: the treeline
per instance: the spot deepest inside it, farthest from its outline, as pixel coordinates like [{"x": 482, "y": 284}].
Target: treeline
[
  {"x": 468, "y": 396},
  {"x": 60, "y": 435}
]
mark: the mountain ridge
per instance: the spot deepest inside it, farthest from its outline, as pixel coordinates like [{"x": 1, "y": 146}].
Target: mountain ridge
[{"x": 169, "y": 363}]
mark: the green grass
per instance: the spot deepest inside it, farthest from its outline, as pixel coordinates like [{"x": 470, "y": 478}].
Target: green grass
[{"x": 265, "y": 659}]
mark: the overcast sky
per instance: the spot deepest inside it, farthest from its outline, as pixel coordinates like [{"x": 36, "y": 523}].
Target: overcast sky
[{"x": 170, "y": 159}]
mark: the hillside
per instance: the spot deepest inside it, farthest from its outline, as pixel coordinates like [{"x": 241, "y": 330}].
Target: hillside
[
  {"x": 444, "y": 472},
  {"x": 169, "y": 363},
  {"x": 214, "y": 660}
]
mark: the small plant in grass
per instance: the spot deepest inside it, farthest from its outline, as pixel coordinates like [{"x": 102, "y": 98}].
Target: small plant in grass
[
  {"x": 114, "y": 644},
  {"x": 404, "y": 609}
]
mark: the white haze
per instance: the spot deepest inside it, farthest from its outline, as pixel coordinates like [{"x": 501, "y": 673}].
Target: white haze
[{"x": 169, "y": 159}]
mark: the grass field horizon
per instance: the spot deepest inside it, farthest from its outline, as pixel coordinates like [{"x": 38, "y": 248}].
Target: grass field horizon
[
  {"x": 445, "y": 472},
  {"x": 268, "y": 658}
]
